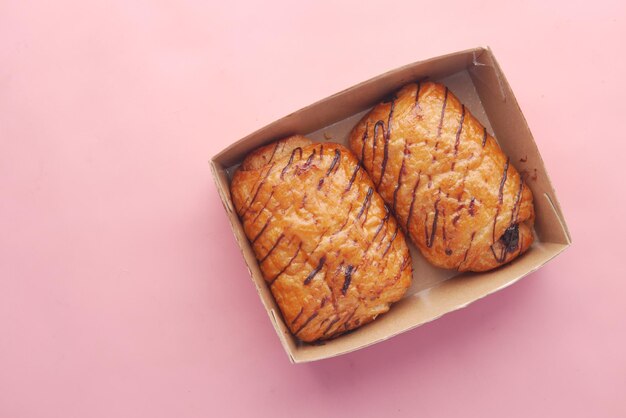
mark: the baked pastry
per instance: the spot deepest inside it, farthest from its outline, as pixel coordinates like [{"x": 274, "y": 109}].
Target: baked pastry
[
  {"x": 328, "y": 247},
  {"x": 450, "y": 185}
]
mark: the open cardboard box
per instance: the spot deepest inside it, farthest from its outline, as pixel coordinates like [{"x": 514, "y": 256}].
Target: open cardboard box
[{"x": 476, "y": 79}]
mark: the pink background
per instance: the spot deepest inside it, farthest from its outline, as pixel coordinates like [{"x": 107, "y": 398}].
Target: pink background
[{"x": 122, "y": 291}]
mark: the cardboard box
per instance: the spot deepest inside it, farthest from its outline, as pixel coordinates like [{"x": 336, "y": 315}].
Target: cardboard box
[{"x": 476, "y": 79}]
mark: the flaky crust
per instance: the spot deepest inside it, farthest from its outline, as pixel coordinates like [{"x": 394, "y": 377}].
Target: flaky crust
[
  {"x": 450, "y": 185},
  {"x": 332, "y": 254}
]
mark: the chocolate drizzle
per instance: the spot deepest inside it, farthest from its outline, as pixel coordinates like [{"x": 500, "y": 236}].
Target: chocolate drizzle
[
  {"x": 286, "y": 266},
  {"x": 467, "y": 251},
  {"x": 417, "y": 94},
  {"x": 460, "y": 196},
  {"x": 280, "y": 238},
  {"x": 504, "y": 176},
  {"x": 260, "y": 211},
  {"x": 293, "y": 153},
  {"x": 458, "y": 132},
  {"x": 443, "y": 225},
  {"x": 347, "y": 279},
  {"x": 346, "y": 322},
  {"x": 363, "y": 141},
  {"x": 517, "y": 206},
  {"x": 273, "y": 152},
  {"x": 393, "y": 237},
  {"x": 316, "y": 270},
  {"x": 366, "y": 203},
  {"x": 333, "y": 322},
  {"x": 500, "y": 199},
  {"x": 386, "y": 136},
  {"x": 430, "y": 240},
  {"x": 443, "y": 111},
  {"x": 346, "y": 221},
  {"x": 351, "y": 182},
  {"x": 322, "y": 237},
  {"x": 310, "y": 318},
  {"x": 382, "y": 223},
  {"x": 309, "y": 160},
  {"x": 256, "y": 237},
  {"x": 417, "y": 183},
  {"x": 297, "y": 316},
  {"x": 499, "y": 258},
  {"x": 334, "y": 162},
  {"x": 261, "y": 184},
  {"x": 398, "y": 185},
  {"x": 378, "y": 124}
]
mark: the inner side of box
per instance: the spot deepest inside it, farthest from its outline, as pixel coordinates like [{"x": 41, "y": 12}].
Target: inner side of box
[{"x": 475, "y": 78}]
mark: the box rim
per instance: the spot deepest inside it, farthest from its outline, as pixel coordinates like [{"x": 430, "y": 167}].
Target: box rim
[{"x": 293, "y": 354}]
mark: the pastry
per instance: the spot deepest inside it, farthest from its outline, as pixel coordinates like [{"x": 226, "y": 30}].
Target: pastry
[
  {"x": 444, "y": 176},
  {"x": 332, "y": 254}
]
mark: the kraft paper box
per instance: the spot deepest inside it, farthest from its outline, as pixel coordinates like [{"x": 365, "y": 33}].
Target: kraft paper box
[{"x": 476, "y": 79}]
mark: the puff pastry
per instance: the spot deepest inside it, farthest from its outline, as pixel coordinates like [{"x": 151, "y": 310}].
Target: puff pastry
[
  {"x": 331, "y": 252},
  {"x": 450, "y": 185}
]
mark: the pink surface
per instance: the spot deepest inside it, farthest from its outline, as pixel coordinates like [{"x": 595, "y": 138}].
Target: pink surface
[{"x": 122, "y": 291}]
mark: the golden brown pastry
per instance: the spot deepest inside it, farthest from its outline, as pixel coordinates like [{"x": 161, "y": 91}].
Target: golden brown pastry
[
  {"x": 332, "y": 254},
  {"x": 450, "y": 185}
]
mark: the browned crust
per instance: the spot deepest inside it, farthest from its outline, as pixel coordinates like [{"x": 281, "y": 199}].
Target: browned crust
[
  {"x": 448, "y": 181},
  {"x": 327, "y": 246}
]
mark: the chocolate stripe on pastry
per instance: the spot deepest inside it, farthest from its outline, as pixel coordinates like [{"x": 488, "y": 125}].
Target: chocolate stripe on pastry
[
  {"x": 273, "y": 153},
  {"x": 417, "y": 94},
  {"x": 288, "y": 264},
  {"x": 393, "y": 237},
  {"x": 334, "y": 162},
  {"x": 382, "y": 223},
  {"x": 264, "y": 206},
  {"x": 293, "y": 153},
  {"x": 386, "y": 137},
  {"x": 413, "y": 195},
  {"x": 330, "y": 325},
  {"x": 280, "y": 238},
  {"x": 310, "y": 159},
  {"x": 458, "y": 132},
  {"x": 399, "y": 183},
  {"x": 366, "y": 202},
  {"x": 309, "y": 319},
  {"x": 364, "y": 140},
  {"x": 297, "y": 316},
  {"x": 347, "y": 280},
  {"x": 443, "y": 112},
  {"x": 316, "y": 270},
  {"x": 430, "y": 239},
  {"x": 500, "y": 197},
  {"x": 260, "y": 186},
  {"x": 352, "y": 178},
  {"x": 258, "y": 235}
]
